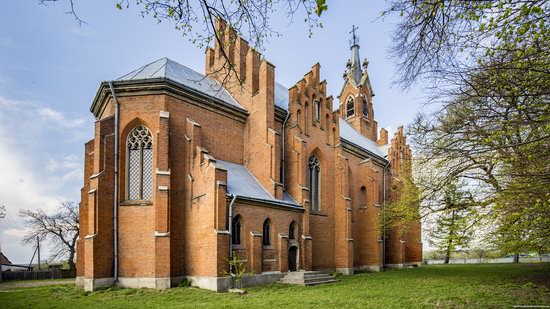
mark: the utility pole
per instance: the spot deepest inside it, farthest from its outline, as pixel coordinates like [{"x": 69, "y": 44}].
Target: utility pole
[
  {"x": 2, "y": 216},
  {"x": 38, "y": 248}
]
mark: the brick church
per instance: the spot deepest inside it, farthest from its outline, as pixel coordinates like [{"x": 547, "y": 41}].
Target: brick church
[{"x": 186, "y": 171}]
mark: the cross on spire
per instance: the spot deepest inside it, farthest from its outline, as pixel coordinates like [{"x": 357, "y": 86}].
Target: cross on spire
[{"x": 354, "y": 37}]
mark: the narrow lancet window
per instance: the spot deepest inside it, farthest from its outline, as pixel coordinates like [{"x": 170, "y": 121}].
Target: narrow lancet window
[
  {"x": 236, "y": 231},
  {"x": 313, "y": 182},
  {"x": 267, "y": 233},
  {"x": 350, "y": 107}
]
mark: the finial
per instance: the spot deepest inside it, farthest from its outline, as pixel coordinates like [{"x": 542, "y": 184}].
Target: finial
[
  {"x": 365, "y": 63},
  {"x": 354, "y": 37},
  {"x": 348, "y": 64}
]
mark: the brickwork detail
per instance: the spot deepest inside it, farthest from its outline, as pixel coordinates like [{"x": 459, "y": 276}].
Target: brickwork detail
[{"x": 183, "y": 229}]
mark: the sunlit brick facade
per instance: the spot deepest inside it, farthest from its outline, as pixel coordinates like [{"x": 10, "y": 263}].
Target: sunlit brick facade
[{"x": 276, "y": 156}]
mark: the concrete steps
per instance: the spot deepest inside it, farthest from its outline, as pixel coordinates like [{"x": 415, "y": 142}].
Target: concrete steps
[{"x": 308, "y": 278}]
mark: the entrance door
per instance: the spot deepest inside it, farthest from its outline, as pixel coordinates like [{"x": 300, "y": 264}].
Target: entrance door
[{"x": 292, "y": 253}]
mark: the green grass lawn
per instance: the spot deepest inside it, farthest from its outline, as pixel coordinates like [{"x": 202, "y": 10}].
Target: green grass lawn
[{"x": 455, "y": 286}]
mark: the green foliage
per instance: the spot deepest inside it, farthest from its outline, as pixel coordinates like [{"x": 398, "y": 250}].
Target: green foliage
[
  {"x": 321, "y": 7},
  {"x": 450, "y": 286},
  {"x": 404, "y": 208},
  {"x": 237, "y": 270},
  {"x": 184, "y": 283},
  {"x": 490, "y": 66},
  {"x": 454, "y": 223}
]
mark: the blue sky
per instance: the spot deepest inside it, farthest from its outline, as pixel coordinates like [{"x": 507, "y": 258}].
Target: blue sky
[{"x": 50, "y": 70}]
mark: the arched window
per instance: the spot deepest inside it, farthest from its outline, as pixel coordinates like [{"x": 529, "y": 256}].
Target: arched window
[
  {"x": 317, "y": 108},
  {"x": 236, "y": 231},
  {"x": 299, "y": 118},
  {"x": 140, "y": 164},
  {"x": 363, "y": 197},
  {"x": 313, "y": 182},
  {"x": 266, "y": 240},
  {"x": 327, "y": 128},
  {"x": 350, "y": 107},
  {"x": 365, "y": 108},
  {"x": 306, "y": 118},
  {"x": 291, "y": 230}
]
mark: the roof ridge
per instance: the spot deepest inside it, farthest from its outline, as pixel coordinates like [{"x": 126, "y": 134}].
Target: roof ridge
[
  {"x": 139, "y": 70},
  {"x": 166, "y": 59}
]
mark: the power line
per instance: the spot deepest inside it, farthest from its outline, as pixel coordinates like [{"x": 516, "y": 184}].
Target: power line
[{"x": 14, "y": 221}]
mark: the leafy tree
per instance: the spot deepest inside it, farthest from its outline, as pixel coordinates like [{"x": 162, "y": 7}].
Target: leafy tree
[
  {"x": 60, "y": 229},
  {"x": 453, "y": 223},
  {"x": 488, "y": 66}
]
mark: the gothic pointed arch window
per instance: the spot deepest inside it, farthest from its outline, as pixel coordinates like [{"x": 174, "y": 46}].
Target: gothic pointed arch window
[
  {"x": 363, "y": 197},
  {"x": 365, "y": 108},
  {"x": 236, "y": 230},
  {"x": 292, "y": 230},
  {"x": 327, "y": 128},
  {"x": 350, "y": 107},
  {"x": 266, "y": 240},
  {"x": 313, "y": 178},
  {"x": 317, "y": 110},
  {"x": 140, "y": 164},
  {"x": 306, "y": 118}
]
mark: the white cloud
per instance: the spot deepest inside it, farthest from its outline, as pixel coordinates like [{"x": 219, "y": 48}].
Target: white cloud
[
  {"x": 69, "y": 162},
  {"x": 16, "y": 232},
  {"x": 38, "y": 115},
  {"x": 56, "y": 118},
  {"x": 28, "y": 179}
]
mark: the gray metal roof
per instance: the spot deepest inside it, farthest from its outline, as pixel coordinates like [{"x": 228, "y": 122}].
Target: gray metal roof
[
  {"x": 355, "y": 72},
  {"x": 384, "y": 149},
  {"x": 242, "y": 183},
  {"x": 176, "y": 72},
  {"x": 348, "y": 133},
  {"x": 281, "y": 96}
]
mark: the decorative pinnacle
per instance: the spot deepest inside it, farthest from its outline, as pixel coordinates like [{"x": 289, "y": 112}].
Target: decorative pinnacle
[{"x": 365, "y": 63}]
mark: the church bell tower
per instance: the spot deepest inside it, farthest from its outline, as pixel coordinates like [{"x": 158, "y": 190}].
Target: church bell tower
[{"x": 356, "y": 95}]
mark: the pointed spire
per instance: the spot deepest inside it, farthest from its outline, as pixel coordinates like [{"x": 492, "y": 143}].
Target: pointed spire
[{"x": 354, "y": 64}]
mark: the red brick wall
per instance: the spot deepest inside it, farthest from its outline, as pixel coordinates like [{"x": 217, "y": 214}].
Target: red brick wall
[{"x": 190, "y": 218}]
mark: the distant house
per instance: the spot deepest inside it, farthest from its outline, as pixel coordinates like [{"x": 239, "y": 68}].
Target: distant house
[{"x": 4, "y": 260}]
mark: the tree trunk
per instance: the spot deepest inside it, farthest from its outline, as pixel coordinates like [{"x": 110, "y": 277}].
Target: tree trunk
[
  {"x": 448, "y": 251},
  {"x": 72, "y": 267},
  {"x": 516, "y": 258},
  {"x": 447, "y": 255}
]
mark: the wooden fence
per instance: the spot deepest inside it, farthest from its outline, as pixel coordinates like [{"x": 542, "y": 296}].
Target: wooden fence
[{"x": 36, "y": 274}]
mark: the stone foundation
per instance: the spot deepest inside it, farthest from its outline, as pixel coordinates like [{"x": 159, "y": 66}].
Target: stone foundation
[
  {"x": 345, "y": 271},
  {"x": 218, "y": 284},
  {"x": 93, "y": 284},
  {"x": 373, "y": 268},
  {"x": 222, "y": 284},
  {"x": 138, "y": 283}
]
